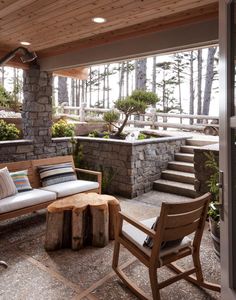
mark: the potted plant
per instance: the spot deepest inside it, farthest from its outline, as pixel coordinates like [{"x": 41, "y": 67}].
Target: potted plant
[{"x": 214, "y": 212}]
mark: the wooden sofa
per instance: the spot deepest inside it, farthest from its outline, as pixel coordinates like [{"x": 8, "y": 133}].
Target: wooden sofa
[{"x": 32, "y": 167}]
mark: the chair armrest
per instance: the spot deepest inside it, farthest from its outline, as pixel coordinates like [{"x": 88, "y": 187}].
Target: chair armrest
[
  {"x": 95, "y": 173},
  {"x": 137, "y": 224}
]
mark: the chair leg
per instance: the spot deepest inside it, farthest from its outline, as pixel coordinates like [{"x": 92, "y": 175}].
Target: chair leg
[
  {"x": 205, "y": 284},
  {"x": 154, "y": 283},
  {"x": 198, "y": 267},
  {"x": 134, "y": 288},
  {"x": 116, "y": 254}
]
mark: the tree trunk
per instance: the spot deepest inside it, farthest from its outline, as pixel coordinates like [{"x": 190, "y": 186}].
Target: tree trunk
[
  {"x": 3, "y": 76},
  {"x": 140, "y": 79},
  {"x": 209, "y": 80},
  {"x": 179, "y": 88},
  {"x": 90, "y": 87},
  {"x": 141, "y": 74},
  {"x": 104, "y": 87},
  {"x": 121, "y": 81},
  {"x": 72, "y": 92},
  {"x": 77, "y": 93},
  {"x": 127, "y": 78},
  {"x": 98, "y": 101},
  {"x": 191, "y": 102},
  {"x": 154, "y": 75},
  {"x": 199, "y": 83},
  {"x": 62, "y": 90},
  {"x": 108, "y": 87}
]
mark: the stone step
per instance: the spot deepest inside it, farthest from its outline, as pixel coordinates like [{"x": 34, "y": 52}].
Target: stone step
[
  {"x": 181, "y": 166},
  {"x": 173, "y": 187},
  {"x": 188, "y": 149},
  {"x": 196, "y": 142},
  {"x": 185, "y": 157},
  {"x": 178, "y": 176}
]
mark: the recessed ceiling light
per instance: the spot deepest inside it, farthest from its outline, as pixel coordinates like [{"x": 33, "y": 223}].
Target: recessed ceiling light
[
  {"x": 99, "y": 20},
  {"x": 25, "y": 43}
]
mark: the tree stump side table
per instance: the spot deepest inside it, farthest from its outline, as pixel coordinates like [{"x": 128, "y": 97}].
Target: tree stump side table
[{"x": 81, "y": 219}]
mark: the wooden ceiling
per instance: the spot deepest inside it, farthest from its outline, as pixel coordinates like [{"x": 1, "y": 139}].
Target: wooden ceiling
[{"x": 57, "y": 26}]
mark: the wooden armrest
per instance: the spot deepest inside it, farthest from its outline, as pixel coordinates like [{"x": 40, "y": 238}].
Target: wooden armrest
[
  {"x": 88, "y": 171},
  {"x": 95, "y": 173},
  {"x": 137, "y": 224}
]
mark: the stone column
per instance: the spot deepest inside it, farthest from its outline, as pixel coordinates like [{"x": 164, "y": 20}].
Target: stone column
[{"x": 37, "y": 109}]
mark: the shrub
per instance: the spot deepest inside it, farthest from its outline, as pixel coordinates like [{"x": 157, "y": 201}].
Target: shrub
[
  {"x": 8, "y": 131},
  {"x": 111, "y": 117},
  {"x": 142, "y": 136},
  {"x": 94, "y": 134},
  {"x": 213, "y": 186},
  {"x": 9, "y": 100},
  {"x": 63, "y": 129}
]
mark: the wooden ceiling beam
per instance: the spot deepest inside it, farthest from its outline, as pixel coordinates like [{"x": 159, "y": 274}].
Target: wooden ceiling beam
[{"x": 180, "y": 38}]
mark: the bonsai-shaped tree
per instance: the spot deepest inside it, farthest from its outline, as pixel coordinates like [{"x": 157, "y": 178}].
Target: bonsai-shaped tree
[{"x": 134, "y": 104}]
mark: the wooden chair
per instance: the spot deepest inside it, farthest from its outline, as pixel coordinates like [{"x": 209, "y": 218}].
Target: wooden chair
[{"x": 176, "y": 221}]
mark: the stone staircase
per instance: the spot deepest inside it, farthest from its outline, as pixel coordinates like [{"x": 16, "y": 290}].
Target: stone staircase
[{"x": 179, "y": 176}]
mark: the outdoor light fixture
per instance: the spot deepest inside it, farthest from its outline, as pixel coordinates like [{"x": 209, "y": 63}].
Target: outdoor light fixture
[
  {"x": 99, "y": 20},
  {"x": 26, "y": 55},
  {"x": 25, "y": 43}
]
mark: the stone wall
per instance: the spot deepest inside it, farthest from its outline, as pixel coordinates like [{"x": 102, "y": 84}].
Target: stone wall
[
  {"x": 202, "y": 172},
  {"x": 27, "y": 149},
  {"x": 132, "y": 166},
  {"x": 37, "y": 120}
]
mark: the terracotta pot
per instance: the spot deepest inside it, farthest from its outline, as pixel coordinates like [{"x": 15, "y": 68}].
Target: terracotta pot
[{"x": 215, "y": 234}]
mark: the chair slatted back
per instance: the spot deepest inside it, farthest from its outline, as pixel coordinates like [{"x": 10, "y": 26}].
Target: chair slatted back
[{"x": 180, "y": 219}]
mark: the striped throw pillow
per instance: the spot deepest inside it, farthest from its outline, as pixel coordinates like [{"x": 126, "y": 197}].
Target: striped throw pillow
[
  {"x": 21, "y": 180},
  {"x": 7, "y": 186},
  {"x": 54, "y": 174}
]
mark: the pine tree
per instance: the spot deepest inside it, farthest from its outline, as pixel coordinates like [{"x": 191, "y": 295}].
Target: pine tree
[
  {"x": 62, "y": 90},
  {"x": 166, "y": 83},
  {"x": 209, "y": 80},
  {"x": 141, "y": 74},
  {"x": 191, "y": 87},
  {"x": 179, "y": 68},
  {"x": 199, "y": 83}
]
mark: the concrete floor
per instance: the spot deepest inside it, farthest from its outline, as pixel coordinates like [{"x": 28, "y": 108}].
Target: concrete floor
[{"x": 34, "y": 273}]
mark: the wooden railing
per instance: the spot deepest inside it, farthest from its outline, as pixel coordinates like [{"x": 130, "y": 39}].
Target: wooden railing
[{"x": 153, "y": 119}]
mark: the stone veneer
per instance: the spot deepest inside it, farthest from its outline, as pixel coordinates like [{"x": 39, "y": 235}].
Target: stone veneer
[
  {"x": 135, "y": 164},
  {"x": 26, "y": 150},
  {"x": 37, "y": 121},
  {"x": 203, "y": 173}
]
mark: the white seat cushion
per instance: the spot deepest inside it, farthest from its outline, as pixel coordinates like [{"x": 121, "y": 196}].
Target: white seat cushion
[
  {"x": 71, "y": 187},
  {"x": 25, "y": 199},
  {"x": 137, "y": 237}
]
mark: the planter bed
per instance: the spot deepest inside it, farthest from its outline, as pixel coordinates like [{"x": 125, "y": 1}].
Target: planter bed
[{"x": 133, "y": 165}]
